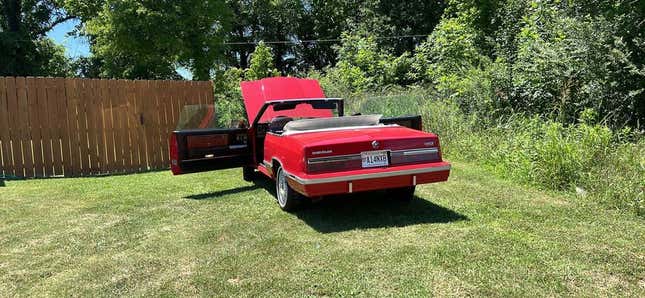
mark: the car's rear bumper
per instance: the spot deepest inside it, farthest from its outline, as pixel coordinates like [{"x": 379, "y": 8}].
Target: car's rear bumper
[{"x": 369, "y": 179}]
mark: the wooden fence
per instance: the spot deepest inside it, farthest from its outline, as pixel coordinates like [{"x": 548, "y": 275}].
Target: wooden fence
[{"x": 79, "y": 127}]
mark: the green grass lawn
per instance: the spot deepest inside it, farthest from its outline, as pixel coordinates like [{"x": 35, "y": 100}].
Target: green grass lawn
[{"x": 214, "y": 234}]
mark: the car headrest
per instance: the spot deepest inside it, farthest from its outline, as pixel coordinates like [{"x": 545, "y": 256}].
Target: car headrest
[{"x": 277, "y": 124}]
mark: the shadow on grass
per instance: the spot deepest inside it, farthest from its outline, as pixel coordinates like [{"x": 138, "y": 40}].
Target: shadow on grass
[
  {"x": 219, "y": 193},
  {"x": 372, "y": 210},
  {"x": 369, "y": 210}
]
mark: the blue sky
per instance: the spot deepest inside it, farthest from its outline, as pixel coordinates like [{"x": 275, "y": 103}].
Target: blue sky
[
  {"x": 75, "y": 46},
  {"x": 80, "y": 47}
]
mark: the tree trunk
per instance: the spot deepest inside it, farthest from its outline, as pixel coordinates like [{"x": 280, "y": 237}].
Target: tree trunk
[{"x": 13, "y": 10}]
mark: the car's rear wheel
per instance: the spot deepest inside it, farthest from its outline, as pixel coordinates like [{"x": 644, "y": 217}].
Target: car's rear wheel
[
  {"x": 287, "y": 197},
  {"x": 402, "y": 194}
]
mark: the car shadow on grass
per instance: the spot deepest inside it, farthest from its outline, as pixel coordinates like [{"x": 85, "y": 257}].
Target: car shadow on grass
[
  {"x": 372, "y": 210},
  {"x": 219, "y": 193},
  {"x": 368, "y": 210}
]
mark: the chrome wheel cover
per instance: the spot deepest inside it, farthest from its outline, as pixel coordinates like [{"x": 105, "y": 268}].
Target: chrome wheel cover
[{"x": 281, "y": 188}]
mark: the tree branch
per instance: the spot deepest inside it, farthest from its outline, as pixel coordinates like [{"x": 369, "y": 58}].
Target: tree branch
[{"x": 56, "y": 22}]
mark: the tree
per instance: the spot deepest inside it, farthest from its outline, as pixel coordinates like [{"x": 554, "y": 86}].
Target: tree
[
  {"x": 150, "y": 39},
  {"x": 309, "y": 30},
  {"x": 261, "y": 64},
  {"x": 228, "y": 95},
  {"x": 25, "y": 48}
]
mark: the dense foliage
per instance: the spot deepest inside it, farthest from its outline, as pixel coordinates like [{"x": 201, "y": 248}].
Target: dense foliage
[
  {"x": 25, "y": 48},
  {"x": 150, "y": 39},
  {"x": 588, "y": 159},
  {"x": 553, "y": 59},
  {"x": 228, "y": 96}
]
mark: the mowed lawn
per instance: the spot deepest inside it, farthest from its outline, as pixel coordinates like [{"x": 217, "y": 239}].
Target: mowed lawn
[{"x": 216, "y": 235}]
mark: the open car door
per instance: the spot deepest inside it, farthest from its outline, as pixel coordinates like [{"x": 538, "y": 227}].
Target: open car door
[{"x": 195, "y": 146}]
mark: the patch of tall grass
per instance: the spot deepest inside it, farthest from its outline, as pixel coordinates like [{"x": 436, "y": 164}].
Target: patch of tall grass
[{"x": 589, "y": 159}]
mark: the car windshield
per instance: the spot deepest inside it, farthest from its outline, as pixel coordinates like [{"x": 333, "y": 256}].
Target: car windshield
[{"x": 301, "y": 110}]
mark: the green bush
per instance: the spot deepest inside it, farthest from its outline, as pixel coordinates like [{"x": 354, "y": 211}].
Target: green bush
[
  {"x": 363, "y": 66},
  {"x": 228, "y": 96},
  {"x": 607, "y": 165}
]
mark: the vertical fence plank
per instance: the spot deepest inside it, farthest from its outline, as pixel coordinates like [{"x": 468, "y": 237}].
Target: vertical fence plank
[
  {"x": 62, "y": 126},
  {"x": 108, "y": 126},
  {"x": 113, "y": 135},
  {"x": 128, "y": 109},
  {"x": 139, "y": 141},
  {"x": 151, "y": 130},
  {"x": 174, "y": 111},
  {"x": 99, "y": 127},
  {"x": 153, "y": 148},
  {"x": 35, "y": 126},
  {"x": 84, "y": 113},
  {"x": 148, "y": 123},
  {"x": 210, "y": 93},
  {"x": 141, "y": 118},
  {"x": 157, "y": 128},
  {"x": 52, "y": 128},
  {"x": 179, "y": 98},
  {"x": 93, "y": 120},
  {"x": 83, "y": 126},
  {"x": 141, "y": 109},
  {"x": 199, "y": 89},
  {"x": 90, "y": 115},
  {"x": 183, "y": 95},
  {"x": 25, "y": 133},
  {"x": 121, "y": 145},
  {"x": 12, "y": 107},
  {"x": 169, "y": 121},
  {"x": 128, "y": 113},
  {"x": 71, "y": 90},
  {"x": 162, "y": 105},
  {"x": 5, "y": 139},
  {"x": 45, "y": 128},
  {"x": 132, "y": 119},
  {"x": 192, "y": 99}
]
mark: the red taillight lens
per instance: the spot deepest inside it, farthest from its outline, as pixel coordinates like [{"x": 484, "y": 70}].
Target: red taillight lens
[
  {"x": 333, "y": 163},
  {"x": 174, "y": 155}
]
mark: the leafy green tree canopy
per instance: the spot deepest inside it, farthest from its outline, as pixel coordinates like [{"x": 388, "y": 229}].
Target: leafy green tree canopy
[
  {"x": 150, "y": 39},
  {"x": 26, "y": 50}
]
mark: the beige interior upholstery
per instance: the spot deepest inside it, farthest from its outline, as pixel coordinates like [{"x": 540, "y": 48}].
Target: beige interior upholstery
[{"x": 333, "y": 122}]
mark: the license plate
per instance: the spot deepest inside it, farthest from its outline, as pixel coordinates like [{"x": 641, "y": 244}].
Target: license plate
[{"x": 373, "y": 159}]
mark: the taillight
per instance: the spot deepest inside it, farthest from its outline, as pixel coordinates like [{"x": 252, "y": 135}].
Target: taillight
[
  {"x": 174, "y": 155},
  {"x": 333, "y": 163},
  {"x": 421, "y": 155}
]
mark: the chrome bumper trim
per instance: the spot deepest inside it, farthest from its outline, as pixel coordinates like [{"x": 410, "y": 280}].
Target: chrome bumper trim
[{"x": 367, "y": 176}]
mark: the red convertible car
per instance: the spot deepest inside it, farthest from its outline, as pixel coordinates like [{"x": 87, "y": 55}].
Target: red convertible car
[{"x": 303, "y": 141}]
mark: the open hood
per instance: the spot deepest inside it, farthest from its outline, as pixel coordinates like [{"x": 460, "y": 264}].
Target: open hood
[{"x": 256, "y": 93}]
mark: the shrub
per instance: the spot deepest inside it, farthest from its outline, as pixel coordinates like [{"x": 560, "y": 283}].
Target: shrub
[
  {"x": 228, "y": 96},
  {"x": 609, "y": 165},
  {"x": 363, "y": 66}
]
